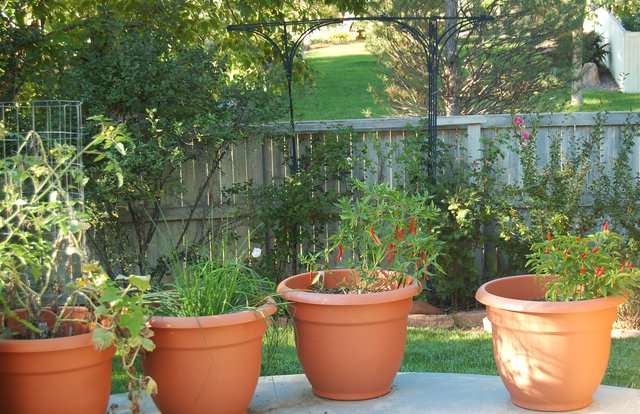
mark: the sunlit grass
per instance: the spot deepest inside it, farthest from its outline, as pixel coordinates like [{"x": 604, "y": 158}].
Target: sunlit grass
[
  {"x": 596, "y": 100},
  {"x": 343, "y": 77},
  {"x": 345, "y": 72}
]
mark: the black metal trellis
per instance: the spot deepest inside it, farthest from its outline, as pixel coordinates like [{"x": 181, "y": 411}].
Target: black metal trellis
[{"x": 430, "y": 43}]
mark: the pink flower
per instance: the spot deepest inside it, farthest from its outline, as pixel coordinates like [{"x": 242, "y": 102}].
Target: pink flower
[
  {"x": 518, "y": 121},
  {"x": 525, "y": 135}
]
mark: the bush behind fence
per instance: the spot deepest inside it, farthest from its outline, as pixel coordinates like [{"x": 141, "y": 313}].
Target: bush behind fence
[{"x": 500, "y": 183}]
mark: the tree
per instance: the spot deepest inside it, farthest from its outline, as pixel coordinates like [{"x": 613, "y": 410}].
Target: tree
[
  {"x": 170, "y": 71},
  {"x": 502, "y": 66},
  {"x": 38, "y": 36}
]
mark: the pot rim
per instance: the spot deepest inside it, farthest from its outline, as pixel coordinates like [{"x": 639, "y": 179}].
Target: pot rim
[
  {"x": 304, "y": 296},
  {"x": 45, "y": 344},
  {"x": 484, "y": 296},
  {"x": 198, "y": 322},
  {"x": 52, "y": 344}
]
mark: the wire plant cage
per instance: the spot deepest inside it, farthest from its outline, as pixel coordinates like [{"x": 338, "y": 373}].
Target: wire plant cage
[
  {"x": 54, "y": 122},
  {"x": 41, "y": 129}
]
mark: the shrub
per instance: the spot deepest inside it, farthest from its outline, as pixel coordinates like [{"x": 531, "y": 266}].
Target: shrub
[{"x": 593, "y": 48}]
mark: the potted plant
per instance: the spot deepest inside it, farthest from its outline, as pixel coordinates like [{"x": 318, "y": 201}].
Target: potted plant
[
  {"x": 552, "y": 329},
  {"x": 350, "y": 323},
  {"x": 57, "y": 339},
  {"x": 208, "y": 334}
]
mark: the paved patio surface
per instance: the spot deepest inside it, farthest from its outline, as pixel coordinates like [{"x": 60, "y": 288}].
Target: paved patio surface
[{"x": 415, "y": 392}]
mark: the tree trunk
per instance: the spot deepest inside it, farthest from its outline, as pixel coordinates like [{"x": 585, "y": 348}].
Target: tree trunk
[
  {"x": 576, "y": 85},
  {"x": 451, "y": 75}
]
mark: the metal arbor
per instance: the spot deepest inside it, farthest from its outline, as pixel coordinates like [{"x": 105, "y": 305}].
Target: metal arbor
[{"x": 429, "y": 42}]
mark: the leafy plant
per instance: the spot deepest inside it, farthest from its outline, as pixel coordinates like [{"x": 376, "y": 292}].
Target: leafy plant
[
  {"x": 593, "y": 48},
  {"x": 383, "y": 229},
  {"x": 631, "y": 21},
  {"x": 122, "y": 312},
  {"x": 212, "y": 286},
  {"x": 473, "y": 199},
  {"x": 588, "y": 267},
  {"x": 296, "y": 210},
  {"x": 42, "y": 221}
]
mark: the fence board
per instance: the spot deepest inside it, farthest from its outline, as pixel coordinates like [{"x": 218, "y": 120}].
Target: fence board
[{"x": 262, "y": 162}]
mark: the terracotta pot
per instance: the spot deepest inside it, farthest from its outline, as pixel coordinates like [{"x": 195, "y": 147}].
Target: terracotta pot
[
  {"x": 57, "y": 375},
  {"x": 350, "y": 346},
  {"x": 207, "y": 364},
  {"x": 551, "y": 356}
]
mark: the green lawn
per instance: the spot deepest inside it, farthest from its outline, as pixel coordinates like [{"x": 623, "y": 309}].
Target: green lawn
[
  {"x": 596, "y": 101},
  {"x": 344, "y": 74},
  {"x": 343, "y": 77},
  {"x": 439, "y": 350}
]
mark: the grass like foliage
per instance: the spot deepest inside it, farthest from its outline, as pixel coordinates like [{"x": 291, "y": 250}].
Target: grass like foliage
[{"x": 212, "y": 287}]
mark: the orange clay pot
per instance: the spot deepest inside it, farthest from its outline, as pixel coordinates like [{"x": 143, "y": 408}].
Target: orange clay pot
[
  {"x": 57, "y": 375},
  {"x": 350, "y": 346},
  {"x": 551, "y": 356},
  {"x": 208, "y": 364}
]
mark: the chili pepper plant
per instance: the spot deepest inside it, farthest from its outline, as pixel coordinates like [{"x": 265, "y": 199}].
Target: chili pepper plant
[
  {"x": 585, "y": 267},
  {"x": 383, "y": 229}
]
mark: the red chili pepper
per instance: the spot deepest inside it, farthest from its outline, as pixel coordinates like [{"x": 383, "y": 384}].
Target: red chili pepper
[
  {"x": 412, "y": 226},
  {"x": 339, "y": 256},
  {"x": 595, "y": 249},
  {"x": 392, "y": 252},
  {"x": 599, "y": 272},
  {"x": 630, "y": 265},
  {"x": 606, "y": 226},
  {"x": 375, "y": 238},
  {"x": 583, "y": 269},
  {"x": 577, "y": 238},
  {"x": 549, "y": 236},
  {"x": 567, "y": 251},
  {"x": 399, "y": 234},
  {"x": 583, "y": 255}
]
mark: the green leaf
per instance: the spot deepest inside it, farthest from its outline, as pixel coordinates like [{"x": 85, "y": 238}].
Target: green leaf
[
  {"x": 133, "y": 320},
  {"x": 120, "y": 148},
  {"x": 152, "y": 387},
  {"x": 102, "y": 338},
  {"x": 141, "y": 282},
  {"x": 110, "y": 294},
  {"x": 148, "y": 344}
]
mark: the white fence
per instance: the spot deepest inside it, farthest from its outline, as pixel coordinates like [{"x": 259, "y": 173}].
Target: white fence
[
  {"x": 623, "y": 59},
  {"x": 260, "y": 162}
]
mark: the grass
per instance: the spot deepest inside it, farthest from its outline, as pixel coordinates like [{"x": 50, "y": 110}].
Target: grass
[
  {"x": 437, "y": 350},
  {"x": 345, "y": 72},
  {"x": 343, "y": 77},
  {"x": 596, "y": 101}
]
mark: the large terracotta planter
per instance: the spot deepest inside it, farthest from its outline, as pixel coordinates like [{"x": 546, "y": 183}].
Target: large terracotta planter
[
  {"x": 350, "y": 346},
  {"x": 57, "y": 375},
  {"x": 551, "y": 356},
  {"x": 207, "y": 364}
]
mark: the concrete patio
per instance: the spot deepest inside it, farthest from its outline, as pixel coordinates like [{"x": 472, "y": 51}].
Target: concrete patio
[{"x": 415, "y": 392}]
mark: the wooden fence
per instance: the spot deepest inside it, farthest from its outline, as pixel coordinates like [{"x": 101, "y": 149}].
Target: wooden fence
[{"x": 260, "y": 162}]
